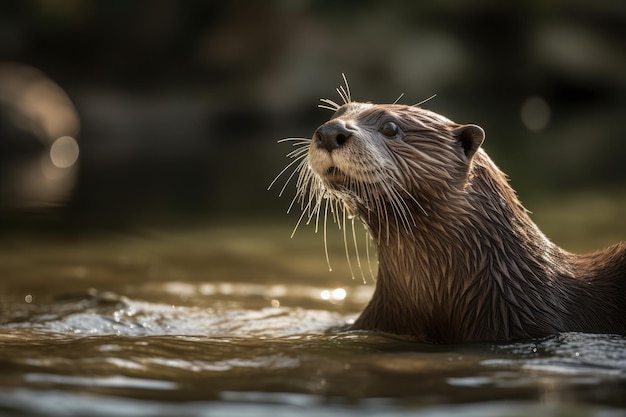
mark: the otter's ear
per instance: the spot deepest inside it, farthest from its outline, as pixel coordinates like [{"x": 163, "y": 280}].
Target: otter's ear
[{"x": 470, "y": 137}]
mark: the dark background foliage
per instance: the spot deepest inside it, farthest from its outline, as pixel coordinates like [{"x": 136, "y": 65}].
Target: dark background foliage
[{"x": 176, "y": 106}]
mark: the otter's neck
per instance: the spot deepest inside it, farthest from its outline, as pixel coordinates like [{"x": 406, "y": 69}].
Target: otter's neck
[{"x": 475, "y": 268}]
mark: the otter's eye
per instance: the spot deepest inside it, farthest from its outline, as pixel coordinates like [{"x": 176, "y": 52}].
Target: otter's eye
[{"x": 390, "y": 129}]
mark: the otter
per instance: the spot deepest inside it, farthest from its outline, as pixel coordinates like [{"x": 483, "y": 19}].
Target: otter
[{"x": 459, "y": 258}]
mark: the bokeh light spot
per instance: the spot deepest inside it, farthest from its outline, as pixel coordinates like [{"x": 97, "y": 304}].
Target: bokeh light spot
[
  {"x": 64, "y": 152},
  {"x": 535, "y": 113},
  {"x": 334, "y": 296},
  {"x": 339, "y": 294}
]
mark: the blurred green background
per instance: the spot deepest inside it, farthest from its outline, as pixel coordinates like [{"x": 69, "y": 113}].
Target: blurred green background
[{"x": 117, "y": 114}]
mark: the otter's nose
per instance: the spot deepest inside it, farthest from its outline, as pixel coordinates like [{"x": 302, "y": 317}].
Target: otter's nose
[{"x": 332, "y": 135}]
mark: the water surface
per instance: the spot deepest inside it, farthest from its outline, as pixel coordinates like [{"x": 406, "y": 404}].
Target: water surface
[{"x": 240, "y": 320}]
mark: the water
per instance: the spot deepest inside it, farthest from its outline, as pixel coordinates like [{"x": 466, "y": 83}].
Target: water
[{"x": 242, "y": 321}]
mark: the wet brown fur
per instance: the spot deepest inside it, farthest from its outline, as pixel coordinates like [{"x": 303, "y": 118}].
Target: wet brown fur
[{"x": 459, "y": 257}]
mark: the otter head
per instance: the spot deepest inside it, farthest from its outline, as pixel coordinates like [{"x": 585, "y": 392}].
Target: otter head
[{"x": 385, "y": 161}]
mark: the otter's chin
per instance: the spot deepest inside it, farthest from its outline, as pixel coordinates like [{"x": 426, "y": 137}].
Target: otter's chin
[{"x": 334, "y": 176}]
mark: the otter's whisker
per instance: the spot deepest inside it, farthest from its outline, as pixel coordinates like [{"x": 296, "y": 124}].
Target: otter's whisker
[
  {"x": 328, "y": 104},
  {"x": 319, "y": 200},
  {"x": 293, "y": 233},
  {"x": 304, "y": 183},
  {"x": 378, "y": 208},
  {"x": 343, "y": 94},
  {"x": 334, "y": 209},
  {"x": 326, "y": 235},
  {"x": 302, "y": 147},
  {"x": 412, "y": 198},
  {"x": 308, "y": 209},
  {"x": 424, "y": 101},
  {"x": 368, "y": 239},
  {"x": 301, "y": 186},
  {"x": 321, "y": 106},
  {"x": 302, "y": 140},
  {"x": 376, "y": 193},
  {"x": 356, "y": 250},
  {"x": 317, "y": 215},
  {"x": 398, "y": 99},
  {"x": 370, "y": 197},
  {"x": 347, "y": 90},
  {"x": 298, "y": 153},
  {"x": 396, "y": 210},
  {"x": 398, "y": 203},
  {"x": 291, "y": 176},
  {"x": 314, "y": 204},
  {"x": 304, "y": 178},
  {"x": 293, "y": 201},
  {"x": 345, "y": 243}
]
